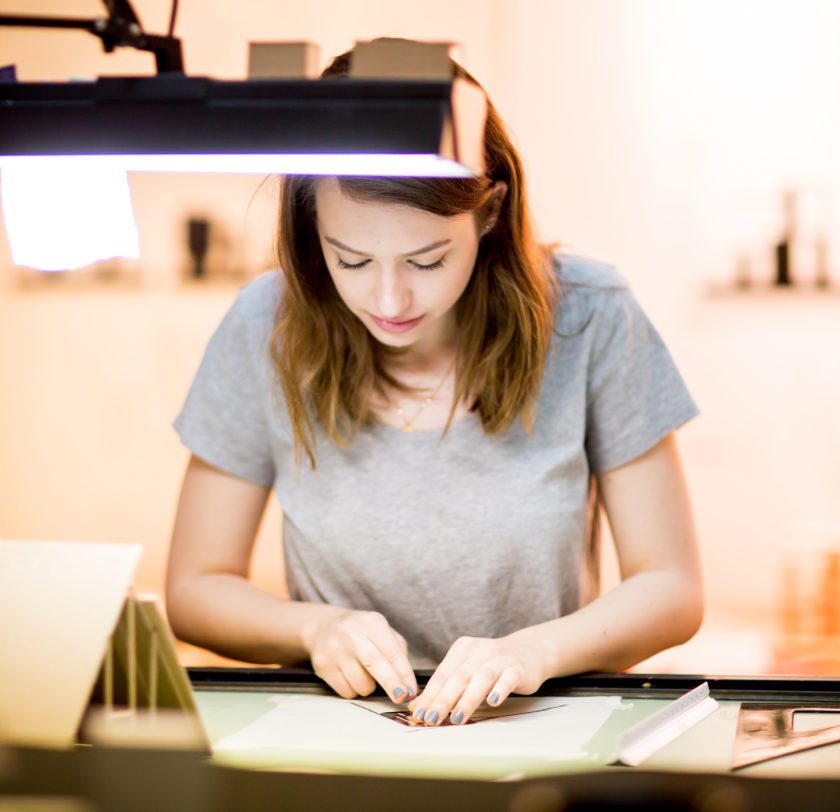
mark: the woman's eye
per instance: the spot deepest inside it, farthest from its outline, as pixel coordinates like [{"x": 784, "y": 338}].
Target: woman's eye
[
  {"x": 432, "y": 267},
  {"x": 350, "y": 266}
]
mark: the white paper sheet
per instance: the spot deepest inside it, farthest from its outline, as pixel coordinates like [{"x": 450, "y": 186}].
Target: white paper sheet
[{"x": 543, "y": 727}]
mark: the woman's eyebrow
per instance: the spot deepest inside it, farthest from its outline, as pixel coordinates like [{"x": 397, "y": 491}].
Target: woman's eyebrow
[{"x": 423, "y": 250}]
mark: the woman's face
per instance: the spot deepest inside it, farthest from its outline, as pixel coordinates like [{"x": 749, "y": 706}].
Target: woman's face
[{"x": 399, "y": 269}]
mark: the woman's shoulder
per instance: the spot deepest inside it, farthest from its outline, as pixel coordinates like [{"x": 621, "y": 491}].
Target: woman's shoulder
[
  {"x": 257, "y": 299},
  {"x": 576, "y": 273},
  {"x": 587, "y": 287},
  {"x": 254, "y": 309}
]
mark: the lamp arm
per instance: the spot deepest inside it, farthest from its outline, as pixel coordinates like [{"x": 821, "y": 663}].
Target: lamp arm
[
  {"x": 122, "y": 11},
  {"x": 121, "y": 28},
  {"x": 48, "y": 22}
]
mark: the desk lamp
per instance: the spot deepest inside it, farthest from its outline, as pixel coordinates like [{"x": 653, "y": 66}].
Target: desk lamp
[{"x": 362, "y": 125}]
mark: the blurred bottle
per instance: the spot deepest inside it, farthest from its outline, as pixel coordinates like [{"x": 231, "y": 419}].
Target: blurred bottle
[
  {"x": 822, "y": 277},
  {"x": 784, "y": 248},
  {"x": 198, "y": 242}
]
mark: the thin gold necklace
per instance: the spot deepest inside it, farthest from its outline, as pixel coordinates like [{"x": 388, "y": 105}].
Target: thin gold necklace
[{"x": 408, "y": 423}]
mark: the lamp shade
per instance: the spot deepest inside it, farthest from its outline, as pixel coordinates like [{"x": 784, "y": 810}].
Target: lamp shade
[{"x": 181, "y": 123}]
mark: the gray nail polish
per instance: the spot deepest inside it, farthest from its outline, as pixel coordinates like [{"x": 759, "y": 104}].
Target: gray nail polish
[
  {"x": 493, "y": 698},
  {"x": 398, "y": 692},
  {"x": 432, "y": 718},
  {"x": 457, "y": 717},
  {"x": 418, "y": 714},
  {"x": 412, "y": 692}
]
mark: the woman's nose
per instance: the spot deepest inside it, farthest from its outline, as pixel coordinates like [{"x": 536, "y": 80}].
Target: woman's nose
[{"x": 393, "y": 294}]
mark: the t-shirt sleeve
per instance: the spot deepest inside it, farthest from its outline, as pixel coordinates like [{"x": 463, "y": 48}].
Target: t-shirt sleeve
[
  {"x": 223, "y": 420},
  {"x": 635, "y": 394}
]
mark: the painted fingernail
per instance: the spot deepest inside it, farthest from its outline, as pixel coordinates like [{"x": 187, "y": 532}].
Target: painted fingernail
[
  {"x": 412, "y": 692},
  {"x": 418, "y": 714},
  {"x": 493, "y": 698},
  {"x": 432, "y": 718},
  {"x": 398, "y": 692},
  {"x": 457, "y": 717}
]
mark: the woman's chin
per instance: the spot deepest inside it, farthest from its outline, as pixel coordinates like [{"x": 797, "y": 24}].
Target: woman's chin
[{"x": 394, "y": 339}]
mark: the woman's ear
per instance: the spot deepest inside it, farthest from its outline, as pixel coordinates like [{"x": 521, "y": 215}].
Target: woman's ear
[{"x": 493, "y": 207}]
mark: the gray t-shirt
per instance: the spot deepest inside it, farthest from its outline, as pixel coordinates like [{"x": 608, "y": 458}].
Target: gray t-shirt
[{"x": 469, "y": 534}]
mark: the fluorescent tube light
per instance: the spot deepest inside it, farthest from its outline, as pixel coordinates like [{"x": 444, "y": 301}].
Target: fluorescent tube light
[
  {"x": 332, "y": 126},
  {"x": 388, "y": 164}
]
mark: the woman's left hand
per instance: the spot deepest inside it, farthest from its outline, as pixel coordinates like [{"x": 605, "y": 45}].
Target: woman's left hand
[{"x": 479, "y": 669}]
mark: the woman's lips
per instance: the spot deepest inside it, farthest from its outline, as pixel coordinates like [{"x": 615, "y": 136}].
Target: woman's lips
[{"x": 396, "y": 326}]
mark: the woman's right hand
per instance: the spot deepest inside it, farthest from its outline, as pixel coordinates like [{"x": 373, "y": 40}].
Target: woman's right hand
[{"x": 354, "y": 650}]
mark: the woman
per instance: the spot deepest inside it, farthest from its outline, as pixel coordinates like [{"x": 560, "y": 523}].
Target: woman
[{"x": 440, "y": 405}]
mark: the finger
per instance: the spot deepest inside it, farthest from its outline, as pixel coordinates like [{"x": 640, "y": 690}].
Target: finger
[
  {"x": 335, "y": 679},
  {"x": 484, "y": 681},
  {"x": 504, "y": 686},
  {"x": 356, "y": 676},
  {"x": 444, "y": 686},
  {"x": 433, "y": 685},
  {"x": 453, "y": 659},
  {"x": 383, "y": 658},
  {"x": 407, "y": 672},
  {"x": 398, "y": 657},
  {"x": 376, "y": 664},
  {"x": 463, "y": 692},
  {"x": 420, "y": 703}
]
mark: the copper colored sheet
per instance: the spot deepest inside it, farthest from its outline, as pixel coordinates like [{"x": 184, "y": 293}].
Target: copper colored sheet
[{"x": 767, "y": 731}]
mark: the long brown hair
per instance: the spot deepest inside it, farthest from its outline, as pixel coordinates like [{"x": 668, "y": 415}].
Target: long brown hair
[{"x": 330, "y": 366}]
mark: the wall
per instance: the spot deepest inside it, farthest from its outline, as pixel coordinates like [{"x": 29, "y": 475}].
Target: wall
[{"x": 659, "y": 135}]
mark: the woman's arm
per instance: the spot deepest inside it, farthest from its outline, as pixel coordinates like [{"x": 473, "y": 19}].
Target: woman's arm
[
  {"x": 658, "y": 604},
  {"x": 211, "y": 603}
]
